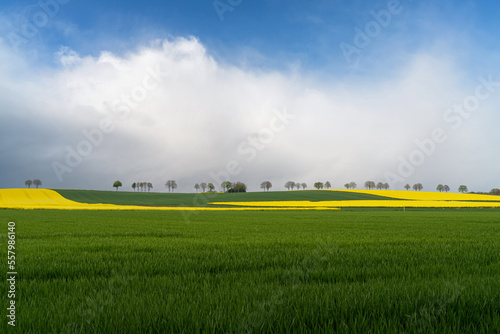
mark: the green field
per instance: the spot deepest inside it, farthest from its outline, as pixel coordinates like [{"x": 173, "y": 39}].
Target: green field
[
  {"x": 174, "y": 199},
  {"x": 260, "y": 271}
]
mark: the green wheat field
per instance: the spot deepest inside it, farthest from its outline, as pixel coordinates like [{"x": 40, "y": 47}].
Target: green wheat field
[{"x": 348, "y": 271}]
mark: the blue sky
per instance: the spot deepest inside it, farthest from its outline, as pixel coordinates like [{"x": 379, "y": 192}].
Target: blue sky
[
  {"x": 365, "y": 80},
  {"x": 284, "y": 32}
]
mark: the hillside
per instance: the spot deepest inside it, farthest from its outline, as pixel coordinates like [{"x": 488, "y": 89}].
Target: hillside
[{"x": 174, "y": 199}]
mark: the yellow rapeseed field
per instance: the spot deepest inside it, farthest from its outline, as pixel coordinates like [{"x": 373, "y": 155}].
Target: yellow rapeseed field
[
  {"x": 365, "y": 204},
  {"x": 49, "y": 199},
  {"x": 426, "y": 195},
  {"x": 410, "y": 199}
]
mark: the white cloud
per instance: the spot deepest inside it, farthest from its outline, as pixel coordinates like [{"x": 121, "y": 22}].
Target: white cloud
[{"x": 177, "y": 113}]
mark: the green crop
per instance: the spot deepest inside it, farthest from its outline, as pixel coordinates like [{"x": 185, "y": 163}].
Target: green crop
[{"x": 262, "y": 271}]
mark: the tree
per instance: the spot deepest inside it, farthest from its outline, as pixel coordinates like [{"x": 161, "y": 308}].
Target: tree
[
  {"x": 238, "y": 187},
  {"x": 463, "y": 189},
  {"x": 304, "y": 185},
  {"x": 418, "y": 187},
  {"x": 353, "y": 185},
  {"x": 150, "y": 186},
  {"x": 446, "y": 188},
  {"x": 266, "y": 185},
  {"x": 495, "y": 191},
  {"x": 347, "y": 185},
  {"x": 197, "y": 187},
  {"x": 134, "y": 185},
  {"x": 203, "y": 186},
  {"x": 290, "y": 184},
  {"x": 407, "y": 186},
  {"x": 328, "y": 185},
  {"x": 117, "y": 184},
  {"x": 28, "y": 183},
  {"x": 440, "y": 188},
  {"x": 319, "y": 185},
  {"x": 297, "y": 184},
  {"x": 386, "y": 186},
  {"x": 223, "y": 186},
  {"x": 37, "y": 183},
  {"x": 171, "y": 185},
  {"x": 211, "y": 187},
  {"x": 369, "y": 185},
  {"x": 380, "y": 186}
]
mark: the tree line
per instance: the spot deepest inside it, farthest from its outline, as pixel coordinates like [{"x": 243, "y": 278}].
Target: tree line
[
  {"x": 171, "y": 185},
  {"x": 230, "y": 187},
  {"x": 226, "y": 186},
  {"x": 35, "y": 182}
]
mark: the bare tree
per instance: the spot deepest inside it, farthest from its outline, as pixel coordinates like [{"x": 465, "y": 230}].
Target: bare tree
[
  {"x": 386, "y": 186},
  {"x": 353, "y": 185},
  {"x": 266, "y": 185},
  {"x": 28, "y": 183},
  {"x": 197, "y": 187},
  {"x": 446, "y": 188},
  {"x": 369, "y": 185},
  {"x": 171, "y": 185},
  {"x": 418, "y": 187},
  {"x": 290, "y": 184},
  {"x": 328, "y": 185},
  {"x": 304, "y": 185},
  {"x": 380, "y": 186},
  {"x": 297, "y": 184},
  {"x": 37, "y": 183},
  {"x": 203, "y": 186}
]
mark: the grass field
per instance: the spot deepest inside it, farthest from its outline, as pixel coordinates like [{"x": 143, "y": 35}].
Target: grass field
[{"x": 262, "y": 271}]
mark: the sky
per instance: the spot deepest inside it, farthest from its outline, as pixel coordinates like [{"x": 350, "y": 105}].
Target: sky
[{"x": 399, "y": 92}]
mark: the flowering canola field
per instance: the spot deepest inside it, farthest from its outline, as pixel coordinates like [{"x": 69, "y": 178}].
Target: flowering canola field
[
  {"x": 401, "y": 199},
  {"x": 50, "y": 199}
]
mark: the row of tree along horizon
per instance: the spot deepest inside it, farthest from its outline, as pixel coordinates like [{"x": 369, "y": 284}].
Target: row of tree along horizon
[
  {"x": 229, "y": 187},
  {"x": 36, "y": 182}
]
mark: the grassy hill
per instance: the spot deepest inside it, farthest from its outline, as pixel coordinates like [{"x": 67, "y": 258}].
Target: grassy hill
[{"x": 166, "y": 199}]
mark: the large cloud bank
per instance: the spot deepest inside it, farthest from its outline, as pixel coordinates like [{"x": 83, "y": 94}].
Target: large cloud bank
[{"x": 169, "y": 110}]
